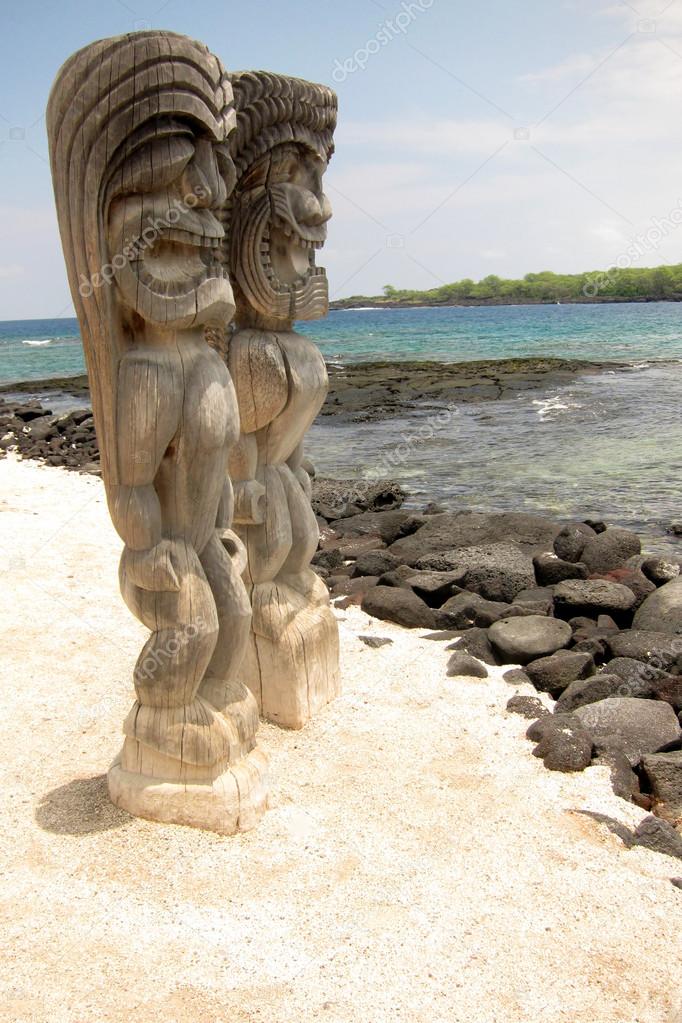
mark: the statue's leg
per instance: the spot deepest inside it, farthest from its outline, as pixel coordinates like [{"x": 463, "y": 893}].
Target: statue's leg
[
  {"x": 222, "y": 685},
  {"x": 292, "y": 664},
  {"x": 175, "y": 764},
  {"x": 168, "y": 717},
  {"x": 305, "y": 535}
]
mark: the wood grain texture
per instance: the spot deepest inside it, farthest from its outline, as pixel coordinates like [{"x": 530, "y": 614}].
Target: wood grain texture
[
  {"x": 276, "y": 221},
  {"x": 138, "y": 129}
]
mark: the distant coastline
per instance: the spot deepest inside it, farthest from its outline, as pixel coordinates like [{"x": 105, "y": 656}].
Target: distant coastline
[
  {"x": 645, "y": 284},
  {"x": 377, "y": 302}
]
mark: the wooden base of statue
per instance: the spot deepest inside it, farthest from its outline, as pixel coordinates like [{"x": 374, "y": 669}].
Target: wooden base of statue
[
  {"x": 233, "y": 801},
  {"x": 292, "y": 659}
]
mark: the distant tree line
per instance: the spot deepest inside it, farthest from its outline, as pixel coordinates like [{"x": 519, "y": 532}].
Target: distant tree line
[{"x": 662, "y": 283}]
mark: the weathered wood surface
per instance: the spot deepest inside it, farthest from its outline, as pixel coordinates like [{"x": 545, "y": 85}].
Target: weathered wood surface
[
  {"x": 138, "y": 128},
  {"x": 276, "y": 220}
]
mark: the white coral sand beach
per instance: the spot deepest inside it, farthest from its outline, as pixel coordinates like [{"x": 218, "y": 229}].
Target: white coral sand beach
[{"x": 416, "y": 864}]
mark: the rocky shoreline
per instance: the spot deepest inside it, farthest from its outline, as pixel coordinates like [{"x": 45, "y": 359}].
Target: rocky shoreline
[
  {"x": 595, "y": 624},
  {"x": 359, "y": 392},
  {"x": 372, "y": 391},
  {"x": 30, "y": 430}
]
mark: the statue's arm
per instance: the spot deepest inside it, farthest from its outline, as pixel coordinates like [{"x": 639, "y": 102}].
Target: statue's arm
[
  {"x": 149, "y": 407},
  {"x": 249, "y": 495},
  {"x": 259, "y": 373}
]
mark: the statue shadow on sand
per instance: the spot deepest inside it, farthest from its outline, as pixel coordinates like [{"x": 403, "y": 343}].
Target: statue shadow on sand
[{"x": 81, "y": 807}]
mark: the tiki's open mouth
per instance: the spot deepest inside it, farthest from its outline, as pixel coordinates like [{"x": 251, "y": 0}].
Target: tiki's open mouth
[
  {"x": 288, "y": 252},
  {"x": 183, "y": 255},
  {"x": 179, "y": 266}
]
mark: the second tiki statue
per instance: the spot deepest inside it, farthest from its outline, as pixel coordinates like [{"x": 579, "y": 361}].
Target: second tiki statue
[{"x": 276, "y": 219}]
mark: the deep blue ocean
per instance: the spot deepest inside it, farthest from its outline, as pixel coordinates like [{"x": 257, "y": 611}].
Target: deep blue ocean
[{"x": 608, "y": 444}]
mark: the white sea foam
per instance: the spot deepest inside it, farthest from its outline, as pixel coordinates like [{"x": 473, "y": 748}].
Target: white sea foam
[
  {"x": 550, "y": 408},
  {"x": 39, "y": 344}
]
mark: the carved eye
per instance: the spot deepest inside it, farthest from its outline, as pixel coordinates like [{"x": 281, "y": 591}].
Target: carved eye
[
  {"x": 284, "y": 165},
  {"x": 288, "y": 169},
  {"x": 157, "y": 164}
]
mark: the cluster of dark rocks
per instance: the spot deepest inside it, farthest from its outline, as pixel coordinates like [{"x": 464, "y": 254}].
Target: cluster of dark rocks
[
  {"x": 576, "y": 608},
  {"x": 32, "y": 431}
]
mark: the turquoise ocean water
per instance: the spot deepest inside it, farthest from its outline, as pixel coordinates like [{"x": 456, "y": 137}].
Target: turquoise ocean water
[
  {"x": 609, "y": 444},
  {"x": 34, "y": 349}
]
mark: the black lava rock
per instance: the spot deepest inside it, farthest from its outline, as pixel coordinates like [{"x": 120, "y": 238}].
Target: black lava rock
[
  {"x": 589, "y": 690},
  {"x": 528, "y": 707},
  {"x": 461, "y": 663},
  {"x": 374, "y": 563},
  {"x": 550, "y": 570},
  {"x": 570, "y": 542},
  {"x": 554, "y": 673},
  {"x": 659, "y": 836},
  {"x": 390, "y": 604},
  {"x": 520, "y": 640}
]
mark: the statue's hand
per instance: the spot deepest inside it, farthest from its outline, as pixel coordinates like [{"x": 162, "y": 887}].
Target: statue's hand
[
  {"x": 249, "y": 503},
  {"x": 155, "y": 569},
  {"x": 234, "y": 547},
  {"x": 308, "y": 466}
]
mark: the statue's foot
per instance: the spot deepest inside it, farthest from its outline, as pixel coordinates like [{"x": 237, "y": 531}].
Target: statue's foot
[
  {"x": 235, "y": 702},
  {"x": 233, "y": 800},
  {"x": 293, "y": 673},
  {"x": 309, "y": 585}
]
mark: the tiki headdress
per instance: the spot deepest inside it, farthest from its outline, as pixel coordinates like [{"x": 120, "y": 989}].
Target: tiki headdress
[
  {"x": 125, "y": 119},
  {"x": 277, "y": 216}
]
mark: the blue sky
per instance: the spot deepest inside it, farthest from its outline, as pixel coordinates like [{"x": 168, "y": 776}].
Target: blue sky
[{"x": 496, "y": 137}]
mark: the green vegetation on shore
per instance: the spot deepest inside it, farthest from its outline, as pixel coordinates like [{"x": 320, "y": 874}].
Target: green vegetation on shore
[{"x": 645, "y": 284}]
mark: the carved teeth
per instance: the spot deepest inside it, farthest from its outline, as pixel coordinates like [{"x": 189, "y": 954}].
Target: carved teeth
[{"x": 176, "y": 234}]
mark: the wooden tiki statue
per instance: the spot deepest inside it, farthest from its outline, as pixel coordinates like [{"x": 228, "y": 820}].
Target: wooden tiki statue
[
  {"x": 276, "y": 220},
  {"x": 138, "y": 128}
]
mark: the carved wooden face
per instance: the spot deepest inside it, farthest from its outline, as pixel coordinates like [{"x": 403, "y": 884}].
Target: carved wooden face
[
  {"x": 280, "y": 221},
  {"x": 300, "y": 211},
  {"x": 164, "y": 238}
]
